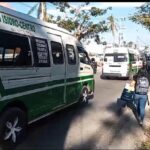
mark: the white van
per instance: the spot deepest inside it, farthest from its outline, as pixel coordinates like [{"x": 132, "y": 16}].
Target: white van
[
  {"x": 40, "y": 72},
  {"x": 120, "y": 62}
]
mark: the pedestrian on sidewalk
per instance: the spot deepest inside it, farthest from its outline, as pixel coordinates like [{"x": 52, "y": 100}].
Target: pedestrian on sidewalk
[
  {"x": 141, "y": 93},
  {"x": 127, "y": 98}
]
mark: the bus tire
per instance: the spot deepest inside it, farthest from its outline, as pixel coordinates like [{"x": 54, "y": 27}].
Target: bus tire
[
  {"x": 84, "y": 95},
  {"x": 102, "y": 76},
  {"x": 13, "y": 124}
]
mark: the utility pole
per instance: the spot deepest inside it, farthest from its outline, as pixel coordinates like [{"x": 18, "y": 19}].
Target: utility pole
[
  {"x": 42, "y": 11},
  {"x": 121, "y": 27}
]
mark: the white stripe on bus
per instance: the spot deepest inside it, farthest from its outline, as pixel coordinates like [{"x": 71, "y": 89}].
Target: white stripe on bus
[{"x": 40, "y": 89}]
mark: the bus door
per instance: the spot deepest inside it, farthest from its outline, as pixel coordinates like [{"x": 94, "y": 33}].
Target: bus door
[
  {"x": 72, "y": 74},
  {"x": 58, "y": 70}
]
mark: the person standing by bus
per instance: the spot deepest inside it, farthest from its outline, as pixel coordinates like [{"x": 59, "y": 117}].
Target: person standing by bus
[
  {"x": 94, "y": 65},
  {"x": 141, "y": 93}
]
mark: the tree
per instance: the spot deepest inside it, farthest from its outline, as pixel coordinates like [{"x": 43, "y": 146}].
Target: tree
[
  {"x": 113, "y": 26},
  {"x": 142, "y": 16},
  {"x": 97, "y": 39},
  {"x": 104, "y": 43},
  {"x": 124, "y": 43},
  {"x": 77, "y": 20},
  {"x": 130, "y": 44},
  {"x": 146, "y": 48}
]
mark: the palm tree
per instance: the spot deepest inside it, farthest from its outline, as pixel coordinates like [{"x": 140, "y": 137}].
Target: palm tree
[
  {"x": 113, "y": 26},
  {"x": 42, "y": 11}
]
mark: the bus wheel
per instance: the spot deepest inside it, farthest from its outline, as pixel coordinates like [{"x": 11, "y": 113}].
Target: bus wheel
[
  {"x": 102, "y": 76},
  {"x": 84, "y": 95},
  {"x": 13, "y": 123}
]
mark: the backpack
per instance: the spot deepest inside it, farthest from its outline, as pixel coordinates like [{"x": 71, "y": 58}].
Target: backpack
[{"x": 142, "y": 85}]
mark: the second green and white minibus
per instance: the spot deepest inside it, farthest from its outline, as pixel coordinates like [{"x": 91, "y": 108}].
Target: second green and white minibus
[{"x": 120, "y": 62}]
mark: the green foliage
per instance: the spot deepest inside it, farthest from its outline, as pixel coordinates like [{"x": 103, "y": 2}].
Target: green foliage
[
  {"x": 142, "y": 16},
  {"x": 97, "y": 11},
  {"x": 130, "y": 44},
  {"x": 67, "y": 24},
  {"x": 79, "y": 20}
]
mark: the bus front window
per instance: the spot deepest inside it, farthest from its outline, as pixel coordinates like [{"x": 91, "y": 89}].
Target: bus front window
[
  {"x": 83, "y": 56},
  {"x": 116, "y": 57},
  {"x": 120, "y": 58}
]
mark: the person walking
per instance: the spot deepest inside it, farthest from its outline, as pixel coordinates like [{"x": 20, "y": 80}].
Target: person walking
[
  {"x": 141, "y": 93},
  {"x": 94, "y": 65}
]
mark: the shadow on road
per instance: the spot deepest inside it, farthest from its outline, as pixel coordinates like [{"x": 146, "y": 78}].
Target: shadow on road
[
  {"x": 113, "y": 78},
  {"x": 53, "y": 129},
  {"x": 121, "y": 126},
  {"x": 114, "y": 129}
]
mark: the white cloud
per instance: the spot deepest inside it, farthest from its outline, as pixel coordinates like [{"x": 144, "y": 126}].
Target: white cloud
[
  {"x": 54, "y": 12},
  {"x": 122, "y": 4},
  {"x": 109, "y": 4}
]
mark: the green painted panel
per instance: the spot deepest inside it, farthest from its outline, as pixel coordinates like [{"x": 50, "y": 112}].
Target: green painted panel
[
  {"x": 32, "y": 87},
  {"x": 79, "y": 78},
  {"x": 86, "y": 77},
  {"x": 43, "y": 102},
  {"x": 1, "y": 88},
  {"x": 73, "y": 92}
]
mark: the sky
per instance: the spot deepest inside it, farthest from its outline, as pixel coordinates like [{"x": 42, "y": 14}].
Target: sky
[{"x": 132, "y": 32}]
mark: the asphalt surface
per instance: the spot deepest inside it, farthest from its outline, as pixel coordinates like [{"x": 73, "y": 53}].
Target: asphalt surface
[{"x": 92, "y": 126}]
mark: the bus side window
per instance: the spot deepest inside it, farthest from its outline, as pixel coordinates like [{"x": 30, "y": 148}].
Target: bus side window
[
  {"x": 14, "y": 50},
  {"x": 57, "y": 53},
  {"x": 71, "y": 54},
  {"x": 83, "y": 56},
  {"x": 40, "y": 52}
]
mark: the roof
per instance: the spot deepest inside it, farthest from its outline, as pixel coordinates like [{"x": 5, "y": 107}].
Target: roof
[
  {"x": 31, "y": 19},
  {"x": 121, "y": 50}
]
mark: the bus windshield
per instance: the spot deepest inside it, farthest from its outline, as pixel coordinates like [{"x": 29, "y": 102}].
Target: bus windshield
[{"x": 116, "y": 57}]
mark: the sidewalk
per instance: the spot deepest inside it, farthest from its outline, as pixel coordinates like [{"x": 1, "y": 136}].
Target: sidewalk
[{"x": 132, "y": 140}]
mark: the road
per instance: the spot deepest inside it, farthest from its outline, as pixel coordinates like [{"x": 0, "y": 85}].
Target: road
[{"x": 94, "y": 126}]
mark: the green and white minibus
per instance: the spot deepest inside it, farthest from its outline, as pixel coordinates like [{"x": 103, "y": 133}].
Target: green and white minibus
[
  {"x": 120, "y": 62},
  {"x": 43, "y": 68}
]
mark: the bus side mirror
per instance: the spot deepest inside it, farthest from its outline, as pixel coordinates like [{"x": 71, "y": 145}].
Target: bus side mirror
[{"x": 105, "y": 59}]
